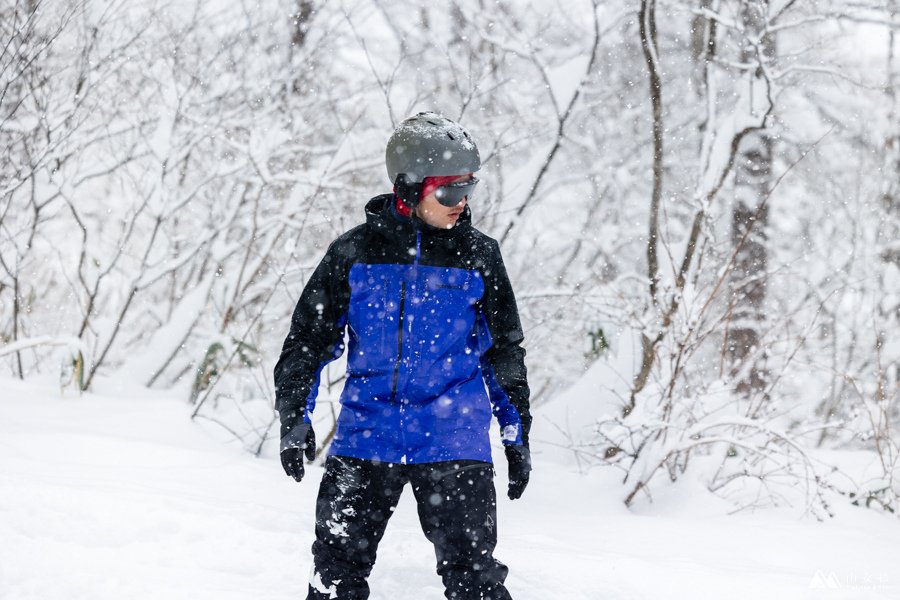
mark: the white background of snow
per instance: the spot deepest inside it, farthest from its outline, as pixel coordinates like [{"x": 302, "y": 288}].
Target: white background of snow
[{"x": 118, "y": 495}]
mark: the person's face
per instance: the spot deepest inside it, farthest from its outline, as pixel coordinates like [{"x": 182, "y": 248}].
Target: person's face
[{"x": 436, "y": 214}]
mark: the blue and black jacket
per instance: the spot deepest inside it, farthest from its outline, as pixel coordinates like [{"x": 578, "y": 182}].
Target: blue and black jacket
[{"x": 434, "y": 342}]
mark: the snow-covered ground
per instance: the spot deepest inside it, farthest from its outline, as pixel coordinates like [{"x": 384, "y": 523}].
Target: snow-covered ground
[{"x": 118, "y": 495}]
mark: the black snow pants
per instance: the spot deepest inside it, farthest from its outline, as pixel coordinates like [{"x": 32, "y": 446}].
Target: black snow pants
[{"x": 457, "y": 509}]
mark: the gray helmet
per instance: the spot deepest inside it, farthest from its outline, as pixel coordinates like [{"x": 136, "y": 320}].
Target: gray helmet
[{"x": 429, "y": 145}]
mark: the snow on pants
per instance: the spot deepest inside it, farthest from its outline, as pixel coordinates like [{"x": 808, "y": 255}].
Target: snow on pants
[{"x": 457, "y": 509}]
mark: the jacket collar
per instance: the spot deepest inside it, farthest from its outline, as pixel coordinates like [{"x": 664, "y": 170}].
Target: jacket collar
[{"x": 380, "y": 216}]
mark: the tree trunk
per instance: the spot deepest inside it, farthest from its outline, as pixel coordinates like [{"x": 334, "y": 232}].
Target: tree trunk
[
  {"x": 749, "y": 218},
  {"x": 888, "y": 312}
]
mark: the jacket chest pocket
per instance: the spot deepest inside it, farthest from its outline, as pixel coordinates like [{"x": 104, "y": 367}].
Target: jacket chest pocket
[
  {"x": 451, "y": 291},
  {"x": 446, "y": 309}
]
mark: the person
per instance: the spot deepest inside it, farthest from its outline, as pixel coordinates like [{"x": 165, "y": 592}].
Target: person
[{"x": 434, "y": 349}]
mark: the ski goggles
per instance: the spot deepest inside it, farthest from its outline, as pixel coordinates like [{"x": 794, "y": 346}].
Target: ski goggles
[{"x": 450, "y": 194}]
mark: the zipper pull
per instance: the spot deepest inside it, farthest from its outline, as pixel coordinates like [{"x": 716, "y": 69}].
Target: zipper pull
[{"x": 418, "y": 247}]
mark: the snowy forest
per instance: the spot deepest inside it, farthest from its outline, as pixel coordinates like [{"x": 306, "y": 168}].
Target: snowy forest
[{"x": 697, "y": 201}]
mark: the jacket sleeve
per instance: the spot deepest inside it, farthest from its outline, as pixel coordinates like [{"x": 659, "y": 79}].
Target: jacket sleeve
[
  {"x": 316, "y": 338},
  {"x": 503, "y": 364}
]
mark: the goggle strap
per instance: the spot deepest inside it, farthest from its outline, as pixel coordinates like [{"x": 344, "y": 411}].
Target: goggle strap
[{"x": 407, "y": 190}]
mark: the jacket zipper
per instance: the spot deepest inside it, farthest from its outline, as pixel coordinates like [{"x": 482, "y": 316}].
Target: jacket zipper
[
  {"x": 401, "y": 319},
  {"x": 399, "y": 340},
  {"x": 404, "y": 459}
]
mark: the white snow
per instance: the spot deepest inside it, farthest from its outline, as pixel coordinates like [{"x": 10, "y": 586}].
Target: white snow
[
  {"x": 566, "y": 78},
  {"x": 119, "y": 495},
  {"x": 144, "y": 364}
]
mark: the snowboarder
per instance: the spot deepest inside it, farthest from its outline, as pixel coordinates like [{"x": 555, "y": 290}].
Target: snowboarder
[{"x": 434, "y": 349}]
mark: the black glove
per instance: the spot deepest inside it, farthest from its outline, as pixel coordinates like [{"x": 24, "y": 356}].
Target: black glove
[
  {"x": 299, "y": 440},
  {"x": 519, "y": 459}
]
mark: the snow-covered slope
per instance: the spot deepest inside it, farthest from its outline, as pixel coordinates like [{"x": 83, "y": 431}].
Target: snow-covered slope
[{"x": 118, "y": 495}]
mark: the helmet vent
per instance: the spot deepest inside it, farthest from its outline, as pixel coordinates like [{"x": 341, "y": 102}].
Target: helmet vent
[
  {"x": 450, "y": 135},
  {"x": 432, "y": 122}
]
